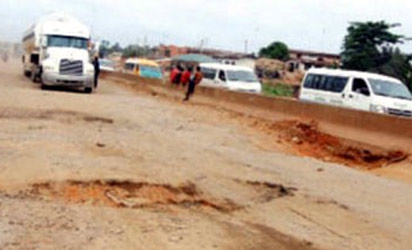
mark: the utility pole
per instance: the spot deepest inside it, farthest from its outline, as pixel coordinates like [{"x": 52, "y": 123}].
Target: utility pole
[
  {"x": 246, "y": 46},
  {"x": 202, "y": 41}
]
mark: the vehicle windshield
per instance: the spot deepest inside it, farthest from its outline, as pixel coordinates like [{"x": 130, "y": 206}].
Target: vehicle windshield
[
  {"x": 150, "y": 72},
  {"x": 106, "y": 63},
  {"x": 129, "y": 66},
  {"x": 241, "y": 75},
  {"x": 67, "y": 42},
  {"x": 390, "y": 89}
]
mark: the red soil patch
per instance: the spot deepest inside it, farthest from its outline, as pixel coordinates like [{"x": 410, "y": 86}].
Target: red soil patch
[
  {"x": 127, "y": 194},
  {"x": 307, "y": 140}
]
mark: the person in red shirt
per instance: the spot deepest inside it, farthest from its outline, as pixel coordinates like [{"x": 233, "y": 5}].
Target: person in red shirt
[
  {"x": 173, "y": 74},
  {"x": 196, "y": 79},
  {"x": 186, "y": 77}
]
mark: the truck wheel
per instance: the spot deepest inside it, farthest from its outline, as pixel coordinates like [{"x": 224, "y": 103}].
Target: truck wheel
[
  {"x": 43, "y": 87},
  {"x": 88, "y": 90},
  {"x": 26, "y": 73},
  {"x": 34, "y": 77}
]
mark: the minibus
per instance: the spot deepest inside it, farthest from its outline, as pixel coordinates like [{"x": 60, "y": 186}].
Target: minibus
[
  {"x": 232, "y": 77},
  {"x": 357, "y": 90},
  {"x": 143, "y": 67}
]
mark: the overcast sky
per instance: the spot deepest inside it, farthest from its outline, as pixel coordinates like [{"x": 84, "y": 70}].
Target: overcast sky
[{"x": 226, "y": 24}]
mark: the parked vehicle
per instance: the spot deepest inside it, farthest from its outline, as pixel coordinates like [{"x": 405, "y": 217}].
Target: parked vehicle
[
  {"x": 143, "y": 67},
  {"x": 106, "y": 65},
  {"x": 357, "y": 90},
  {"x": 236, "y": 78},
  {"x": 56, "y": 52}
]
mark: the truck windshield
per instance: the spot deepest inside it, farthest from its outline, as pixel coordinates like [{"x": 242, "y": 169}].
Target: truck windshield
[
  {"x": 241, "y": 75},
  {"x": 67, "y": 42},
  {"x": 390, "y": 89}
]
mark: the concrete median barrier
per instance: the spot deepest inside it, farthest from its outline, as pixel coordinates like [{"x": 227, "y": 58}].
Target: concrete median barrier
[{"x": 380, "y": 130}]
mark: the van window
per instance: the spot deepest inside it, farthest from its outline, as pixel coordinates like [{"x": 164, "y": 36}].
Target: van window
[
  {"x": 241, "y": 75},
  {"x": 334, "y": 84},
  {"x": 129, "y": 66},
  {"x": 209, "y": 73},
  {"x": 222, "y": 76},
  {"x": 389, "y": 88},
  {"x": 359, "y": 86}
]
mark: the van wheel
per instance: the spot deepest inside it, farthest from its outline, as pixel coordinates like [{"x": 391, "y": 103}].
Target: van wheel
[{"x": 88, "y": 90}]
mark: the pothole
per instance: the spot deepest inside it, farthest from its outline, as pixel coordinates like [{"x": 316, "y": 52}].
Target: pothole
[
  {"x": 308, "y": 140},
  {"x": 267, "y": 191},
  {"x": 126, "y": 194},
  {"x": 55, "y": 115}
]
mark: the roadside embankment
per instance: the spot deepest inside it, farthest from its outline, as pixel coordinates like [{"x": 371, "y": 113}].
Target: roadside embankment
[{"x": 387, "y": 132}]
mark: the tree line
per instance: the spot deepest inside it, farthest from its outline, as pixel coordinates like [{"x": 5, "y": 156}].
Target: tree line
[
  {"x": 367, "y": 46},
  {"x": 132, "y": 50}
]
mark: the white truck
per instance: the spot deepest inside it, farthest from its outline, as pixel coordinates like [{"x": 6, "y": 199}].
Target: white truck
[{"x": 56, "y": 53}]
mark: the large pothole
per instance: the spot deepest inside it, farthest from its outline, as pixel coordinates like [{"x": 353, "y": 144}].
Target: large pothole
[
  {"x": 308, "y": 140},
  {"x": 139, "y": 195},
  {"x": 126, "y": 194}
]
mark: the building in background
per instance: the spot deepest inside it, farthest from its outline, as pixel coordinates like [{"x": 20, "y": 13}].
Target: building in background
[{"x": 303, "y": 60}]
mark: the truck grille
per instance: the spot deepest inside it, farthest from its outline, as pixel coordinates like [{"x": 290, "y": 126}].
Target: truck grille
[
  {"x": 399, "y": 112},
  {"x": 68, "y": 67}
]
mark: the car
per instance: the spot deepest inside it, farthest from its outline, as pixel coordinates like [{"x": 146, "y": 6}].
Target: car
[{"x": 106, "y": 65}]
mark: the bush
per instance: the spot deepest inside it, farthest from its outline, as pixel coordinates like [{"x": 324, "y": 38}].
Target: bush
[{"x": 278, "y": 89}]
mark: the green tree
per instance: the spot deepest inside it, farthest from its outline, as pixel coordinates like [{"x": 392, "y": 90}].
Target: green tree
[
  {"x": 136, "y": 51},
  {"x": 276, "y": 50},
  {"x": 398, "y": 66},
  {"x": 105, "y": 48},
  {"x": 367, "y": 44},
  {"x": 371, "y": 46}
]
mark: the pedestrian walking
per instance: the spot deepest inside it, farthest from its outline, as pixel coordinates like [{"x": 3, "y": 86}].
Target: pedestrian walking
[
  {"x": 5, "y": 57},
  {"x": 194, "y": 80},
  {"x": 96, "y": 64},
  {"x": 186, "y": 76},
  {"x": 177, "y": 75},
  {"x": 173, "y": 74}
]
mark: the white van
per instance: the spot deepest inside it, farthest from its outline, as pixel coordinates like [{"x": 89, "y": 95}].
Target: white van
[
  {"x": 357, "y": 90},
  {"x": 236, "y": 78}
]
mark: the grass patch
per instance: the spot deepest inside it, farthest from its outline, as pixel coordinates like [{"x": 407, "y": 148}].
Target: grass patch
[{"x": 278, "y": 89}]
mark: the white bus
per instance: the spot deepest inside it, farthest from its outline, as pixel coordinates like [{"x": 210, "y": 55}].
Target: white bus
[
  {"x": 236, "y": 78},
  {"x": 357, "y": 90}
]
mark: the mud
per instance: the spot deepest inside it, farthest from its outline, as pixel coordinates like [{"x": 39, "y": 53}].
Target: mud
[
  {"x": 126, "y": 194},
  {"x": 306, "y": 139},
  {"x": 140, "y": 195}
]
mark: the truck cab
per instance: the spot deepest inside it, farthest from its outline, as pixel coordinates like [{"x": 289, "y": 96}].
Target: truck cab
[{"x": 56, "y": 53}]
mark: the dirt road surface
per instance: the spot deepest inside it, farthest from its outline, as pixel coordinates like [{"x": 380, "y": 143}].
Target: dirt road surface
[{"x": 126, "y": 170}]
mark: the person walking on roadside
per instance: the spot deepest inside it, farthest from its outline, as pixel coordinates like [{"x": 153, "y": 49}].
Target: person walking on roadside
[
  {"x": 173, "y": 74},
  {"x": 194, "y": 80},
  {"x": 186, "y": 76},
  {"x": 178, "y": 75},
  {"x": 96, "y": 65},
  {"x": 5, "y": 57}
]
